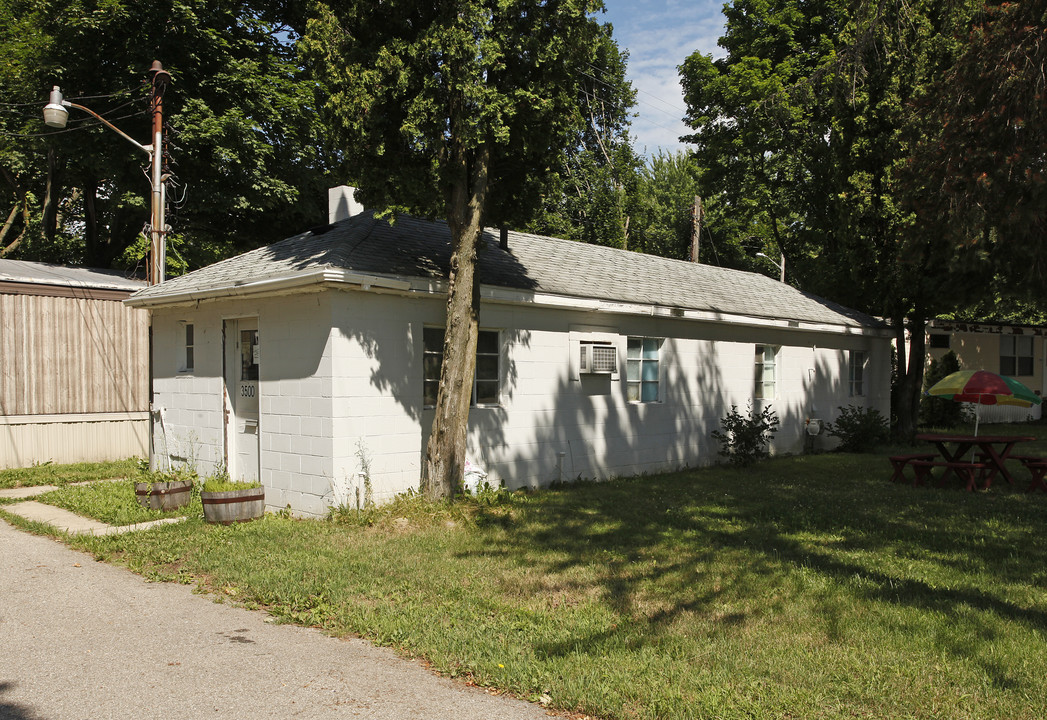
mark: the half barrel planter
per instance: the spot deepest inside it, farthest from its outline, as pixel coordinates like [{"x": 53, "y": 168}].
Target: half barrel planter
[
  {"x": 164, "y": 495},
  {"x": 232, "y": 506}
]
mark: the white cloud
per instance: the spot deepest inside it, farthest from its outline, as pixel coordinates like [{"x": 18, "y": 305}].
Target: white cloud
[{"x": 660, "y": 35}]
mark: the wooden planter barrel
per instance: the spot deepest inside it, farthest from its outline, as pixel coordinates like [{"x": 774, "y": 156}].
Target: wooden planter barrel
[
  {"x": 230, "y": 506},
  {"x": 164, "y": 495}
]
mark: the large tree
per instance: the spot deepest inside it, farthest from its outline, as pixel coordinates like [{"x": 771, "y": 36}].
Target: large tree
[
  {"x": 453, "y": 108},
  {"x": 979, "y": 171},
  {"x": 591, "y": 191},
  {"x": 665, "y": 206},
  {"x": 246, "y": 149},
  {"x": 802, "y": 130}
]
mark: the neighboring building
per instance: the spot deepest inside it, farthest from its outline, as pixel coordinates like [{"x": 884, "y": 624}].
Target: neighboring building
[
  {"x": 74, "y": 372},
  {"x": 1017, "y": 351},
  {"x": 292, "y": 362}
]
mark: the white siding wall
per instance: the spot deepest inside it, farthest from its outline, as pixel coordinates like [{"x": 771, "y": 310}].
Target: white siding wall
[
  {"x": 341, "y": 379},
  {"x": 705, "y": 369},
  {"x": 378, "y": 389},
  {"x": 295, "y": 401},
  {"x": 187, "y": 418},
  {"x": 295, "y": 405}
]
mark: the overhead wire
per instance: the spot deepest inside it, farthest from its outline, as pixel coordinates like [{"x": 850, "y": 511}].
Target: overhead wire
[{"x": 646, "y": 120}]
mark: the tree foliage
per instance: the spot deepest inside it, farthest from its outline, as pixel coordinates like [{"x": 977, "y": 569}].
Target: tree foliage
[
  {"x": 979, "y": 172},
  {"x": 246, "y": 150},
  {"x": 592, "y": 189},
  {"x": 667, "y": 188},
  {"x": 803, "y": 131},
  {"x": 454, "y": 109}
]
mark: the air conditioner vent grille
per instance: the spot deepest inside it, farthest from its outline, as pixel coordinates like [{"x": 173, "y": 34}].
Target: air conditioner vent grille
[
  {"x": 598, "y": 358},
  {"x": 605, "y": 358}
]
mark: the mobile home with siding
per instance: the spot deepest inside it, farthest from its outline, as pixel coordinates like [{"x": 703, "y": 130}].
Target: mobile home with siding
[
  {"x": 295, "y": 362},
  {"x": 74, "y": 373},
  {"x": 1018, "y": 351}
]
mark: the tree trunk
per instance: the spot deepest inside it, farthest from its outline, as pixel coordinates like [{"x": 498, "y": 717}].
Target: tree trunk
[
  {"x": 445, "y": 452},
  {"x": 95, "y": 255},
  {"x": 5, "y": 249},
  {"x": 49, "y": 212},
  {"x": 906, "y": 399}
]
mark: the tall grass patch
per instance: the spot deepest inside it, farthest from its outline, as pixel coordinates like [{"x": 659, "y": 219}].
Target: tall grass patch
[{"x": 53, "y": 474}]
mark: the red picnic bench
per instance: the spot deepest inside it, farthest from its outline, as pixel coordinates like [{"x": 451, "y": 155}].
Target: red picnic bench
[
  {"x": 1036, "y": 465},
  {"x": 969, "y": 471},
  {"x": 898, "y": 463}
]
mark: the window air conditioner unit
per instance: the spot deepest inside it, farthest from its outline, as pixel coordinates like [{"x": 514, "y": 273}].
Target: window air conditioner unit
[{"x": 598, "y": 359}]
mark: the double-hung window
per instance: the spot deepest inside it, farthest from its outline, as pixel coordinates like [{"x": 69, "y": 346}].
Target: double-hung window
[
  {"x": 766, "y": 362},
  {"x": 856, "y": 373},
  {"x": 642, "y": 360},
  {"x": 1016, "y": 355},
  {"x": 486, "y": 378},
  {"x": 189, "y": 357}
]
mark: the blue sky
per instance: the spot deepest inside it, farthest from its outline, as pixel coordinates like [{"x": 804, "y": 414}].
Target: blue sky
[{"x": 659, "y": 35}]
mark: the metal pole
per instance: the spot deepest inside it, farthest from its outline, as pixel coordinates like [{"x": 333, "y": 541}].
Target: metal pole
[{"x": 157, "y": 231}]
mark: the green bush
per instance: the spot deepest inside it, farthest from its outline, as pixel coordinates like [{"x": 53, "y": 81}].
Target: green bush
[
  {"x": 936, "y": 411},
  {"x": 859, "y": 428},
  {"x": 744, "y": 438}
]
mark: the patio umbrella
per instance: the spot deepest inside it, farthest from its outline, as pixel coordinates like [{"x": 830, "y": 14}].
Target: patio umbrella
[{"x": 982, "y": 387}]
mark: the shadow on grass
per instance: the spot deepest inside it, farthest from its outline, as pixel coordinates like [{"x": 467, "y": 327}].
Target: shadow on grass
[{"x": 649, "y": 545}]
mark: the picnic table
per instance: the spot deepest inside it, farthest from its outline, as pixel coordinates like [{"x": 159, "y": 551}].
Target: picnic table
[{"x": 993, "y": 449}]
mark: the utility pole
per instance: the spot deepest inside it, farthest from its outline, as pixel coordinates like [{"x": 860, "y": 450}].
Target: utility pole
[
  {"x": 697, "y": 213},
  {"x": 157, "y": 221},
  {"x": 56, "y": 116}
]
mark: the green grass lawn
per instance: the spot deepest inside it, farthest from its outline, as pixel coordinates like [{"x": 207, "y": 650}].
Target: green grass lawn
[
  {"x": 113, "y": 502},
  {"x": 804, "y": 587},
  {"x": 51, "y": 474}
]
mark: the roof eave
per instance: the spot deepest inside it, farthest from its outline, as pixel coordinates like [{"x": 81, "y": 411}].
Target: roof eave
[
  {"x": 269, "y": 286},
  {"x": 489, "y": 293}
]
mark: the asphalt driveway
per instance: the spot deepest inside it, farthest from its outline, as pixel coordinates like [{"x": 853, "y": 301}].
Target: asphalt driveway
[{"x": 81, "y": 639}]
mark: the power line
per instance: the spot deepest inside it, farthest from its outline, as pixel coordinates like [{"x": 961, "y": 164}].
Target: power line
[
  {"x": 84, "y": 124},
  {"x": 42, "y": 101},
  {"x": 677, "y": 108}
]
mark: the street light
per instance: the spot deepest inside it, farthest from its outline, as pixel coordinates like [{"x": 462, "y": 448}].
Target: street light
[
  {"x": 780, "y": 266},
  {"x": 56, "y": 116}
]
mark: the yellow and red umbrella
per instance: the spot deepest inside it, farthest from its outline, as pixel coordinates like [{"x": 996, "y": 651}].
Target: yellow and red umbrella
[{"x": 984, "y": 388}]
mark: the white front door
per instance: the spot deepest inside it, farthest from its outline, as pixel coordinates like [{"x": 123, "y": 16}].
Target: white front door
[{"x": 241, "y": 383}]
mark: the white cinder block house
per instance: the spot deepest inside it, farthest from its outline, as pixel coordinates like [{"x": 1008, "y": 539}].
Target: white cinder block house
[{"x": 292, "y": 362}]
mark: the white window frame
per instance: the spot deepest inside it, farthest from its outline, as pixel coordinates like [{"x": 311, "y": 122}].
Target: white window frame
[
  {"x": 435, "y": 362},
  {"x": 188, "y": 364},
  {"x": 857, "y": 360},
  {"x": 1012, "y": 354},
  {"x": 638, "y": 369},
  {"x": 760, "y": 381}
]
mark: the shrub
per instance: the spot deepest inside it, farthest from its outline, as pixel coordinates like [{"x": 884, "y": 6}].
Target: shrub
[
  {"x": 744, "y": 439},
  {"x": 859, "y": 428}
]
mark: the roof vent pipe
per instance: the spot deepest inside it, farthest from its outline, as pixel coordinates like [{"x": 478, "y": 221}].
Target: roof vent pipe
[
  {"x": 503, "y": 239},
  {"x": 342, "y": 204}
]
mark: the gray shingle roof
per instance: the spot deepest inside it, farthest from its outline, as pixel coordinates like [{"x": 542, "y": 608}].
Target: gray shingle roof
[
  {"x": 23, "y": 271},
  {"x": 417, "y": 248}
]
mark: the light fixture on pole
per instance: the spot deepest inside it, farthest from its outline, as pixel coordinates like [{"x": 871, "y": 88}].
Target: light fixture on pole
[
  {"x": 56, "y": 115},
  {"x": 780, "y": 266}
]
